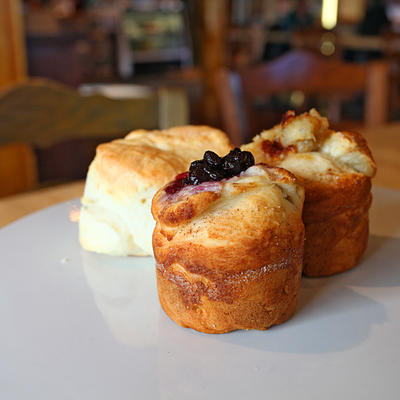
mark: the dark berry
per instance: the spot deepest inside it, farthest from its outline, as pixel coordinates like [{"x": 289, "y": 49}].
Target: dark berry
[
  {"x": 214, "y": 168},
  {"x": 231, "y": 166},
  {"x": 214, "y": 174},
  {"x": 196, "y": 164},
  {"x": 198, "y": 175},
  {"x": 231, "y": 159},
  {"x": 247, "y": 160},
  {"x": 212, "y": 159}
]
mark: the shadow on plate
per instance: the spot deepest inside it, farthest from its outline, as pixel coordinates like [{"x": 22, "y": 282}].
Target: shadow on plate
[{"x": 331, "y": 315}]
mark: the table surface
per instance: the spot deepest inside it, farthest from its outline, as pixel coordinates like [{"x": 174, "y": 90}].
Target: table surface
[{"x": 384, "y": 142}]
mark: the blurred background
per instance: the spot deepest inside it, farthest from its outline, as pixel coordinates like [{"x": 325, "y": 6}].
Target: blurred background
[{"x": 74, "y": 73}]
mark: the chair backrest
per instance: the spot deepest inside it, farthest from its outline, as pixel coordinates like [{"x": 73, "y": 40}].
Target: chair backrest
[
  {"x": 309, "y": 73},
  {"x": 64, "y": 128}
]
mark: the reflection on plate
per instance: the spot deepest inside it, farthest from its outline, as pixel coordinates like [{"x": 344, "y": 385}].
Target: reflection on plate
[
  {"x": 124, "y": 291},
  {"x": 81, "y": 325}
]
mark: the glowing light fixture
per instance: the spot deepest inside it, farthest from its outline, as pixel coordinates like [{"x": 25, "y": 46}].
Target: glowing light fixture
[{"x": 329, "y": 13}]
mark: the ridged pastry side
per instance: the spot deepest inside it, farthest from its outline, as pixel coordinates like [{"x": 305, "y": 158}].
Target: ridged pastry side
[
  {"x": 123, "y": 178},
  {"x": 337, "y": 243},
  {"x": 336, "y": 170},
  {"x": 229, "y": 254}
]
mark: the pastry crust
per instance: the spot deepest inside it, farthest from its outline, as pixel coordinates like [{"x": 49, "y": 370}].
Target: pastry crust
[
  {"x": 229, "y": 253},
  {"x": 123, "y": 178},
  {"x": 336, "y": 170}
]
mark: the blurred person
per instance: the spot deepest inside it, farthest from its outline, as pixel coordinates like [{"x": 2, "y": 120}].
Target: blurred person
[
  {"x": 375, "y": 20},
  {"x": 374, "y": 23},
  {"x": 393, "y": 13},
  {"x": 297, "y": 18},
  {"x": 292, "y": 19}
]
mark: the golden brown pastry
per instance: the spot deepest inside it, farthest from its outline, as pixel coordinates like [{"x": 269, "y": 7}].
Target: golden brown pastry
[
  {"x": 336, "y": 169},
  {"x": 123, "y": 178},
  {"x": 229, "y": 253}
]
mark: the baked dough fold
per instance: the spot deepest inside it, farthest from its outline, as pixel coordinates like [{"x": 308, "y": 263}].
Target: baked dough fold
[{"x": 335, "y": 168}]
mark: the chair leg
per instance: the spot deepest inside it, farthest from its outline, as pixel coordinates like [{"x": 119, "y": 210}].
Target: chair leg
[
  {"x": 377, "y": 94},
  {"x": 18, "y": 168}
]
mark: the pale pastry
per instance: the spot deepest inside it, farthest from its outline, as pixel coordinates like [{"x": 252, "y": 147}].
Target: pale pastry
[{"x": 123, "y": 178}]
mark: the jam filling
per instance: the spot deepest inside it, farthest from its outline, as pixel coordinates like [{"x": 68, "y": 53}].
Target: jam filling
[
  {"x": 275, "y": 149},
  {"x": 177, "y": 184},
  {"x": 212, "y": 168}
]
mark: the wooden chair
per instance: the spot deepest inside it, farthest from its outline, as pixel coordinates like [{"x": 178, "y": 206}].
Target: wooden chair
[
  {"x": 308, "y": 74},
  {"x": 58, "y": 130},
  {"x": 12, "y": 43}
]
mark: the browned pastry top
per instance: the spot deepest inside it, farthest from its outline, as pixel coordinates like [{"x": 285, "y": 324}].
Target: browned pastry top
[
  {"x": 306, "y": 146},
  {"x": 230, "y": 226},
  {"x": 150, "y": 158}
]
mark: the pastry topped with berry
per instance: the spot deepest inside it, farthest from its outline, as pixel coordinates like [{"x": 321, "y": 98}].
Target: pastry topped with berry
[
  {"x": 336, "y": 168},
  {"x": 228, "y": 244},
  {"x": 125, "y": 175}
]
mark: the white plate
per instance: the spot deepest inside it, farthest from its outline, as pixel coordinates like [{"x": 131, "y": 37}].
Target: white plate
[{"x": 76, "y": 325}]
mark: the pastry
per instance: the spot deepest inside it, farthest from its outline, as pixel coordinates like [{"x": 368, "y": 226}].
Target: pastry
[
  {"x": 123, "y": 178},
  {"x": 228, "y": 244},
  {"x": 336, "y": 170}
]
